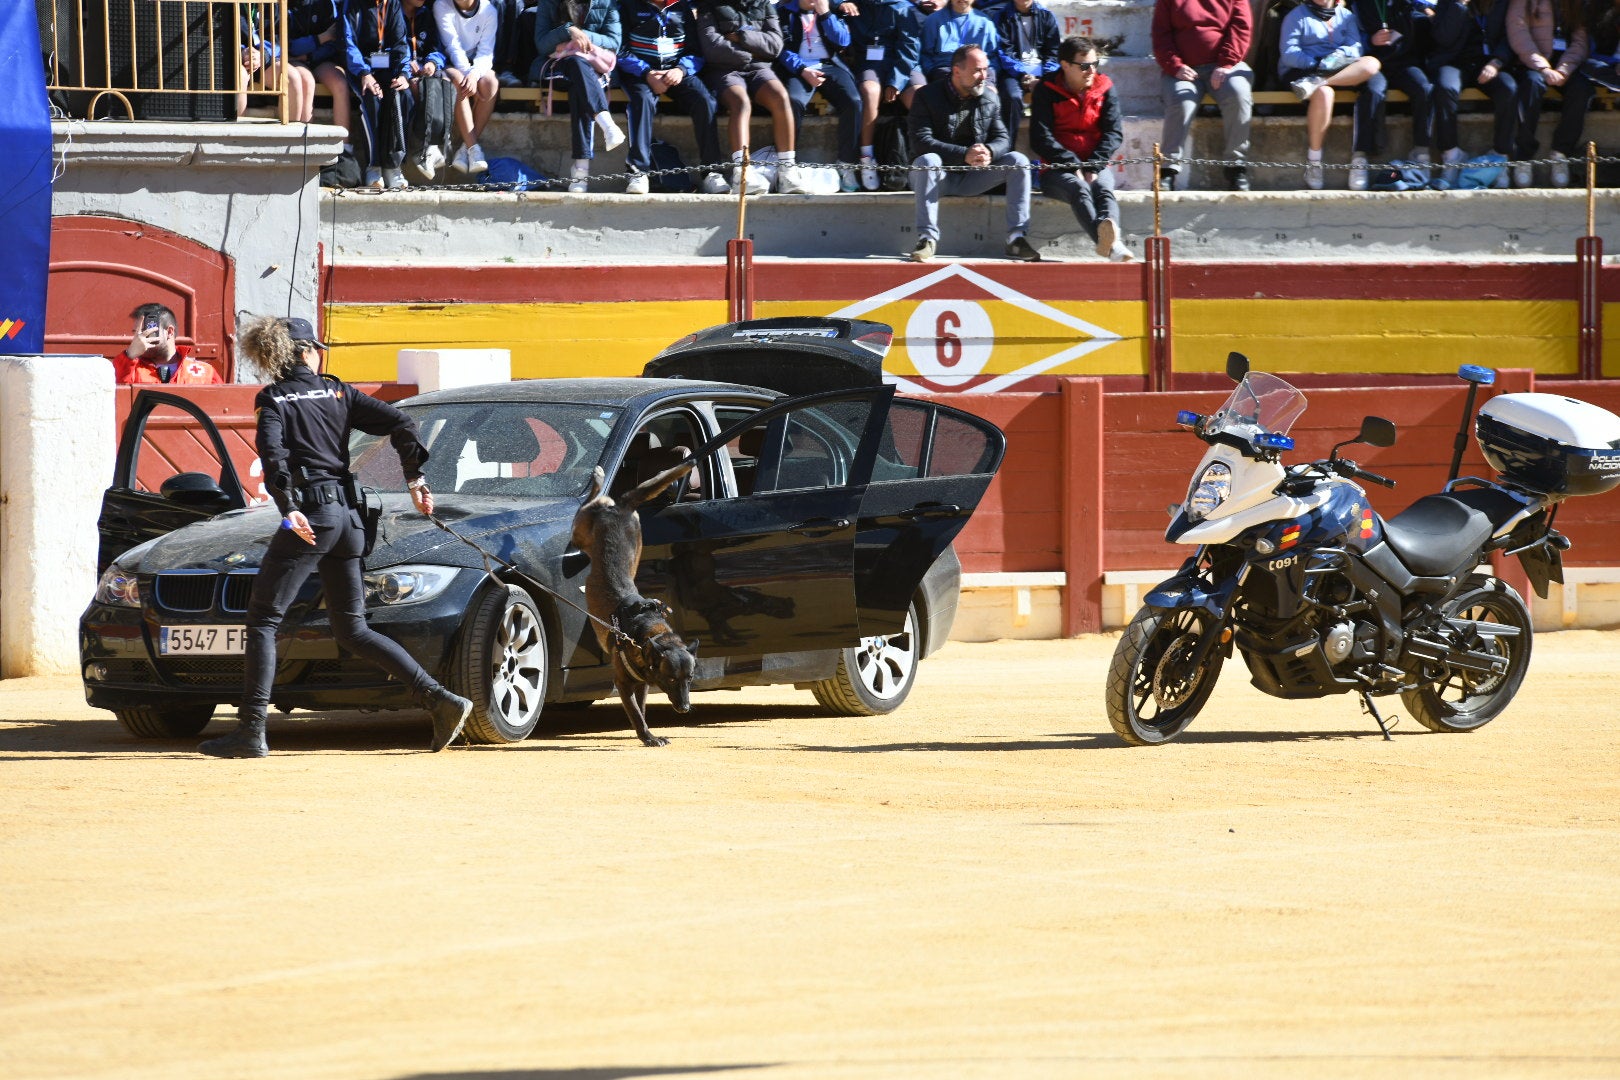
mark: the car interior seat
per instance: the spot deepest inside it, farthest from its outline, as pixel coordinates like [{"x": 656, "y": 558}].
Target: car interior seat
[{"x": 512, "y": 447}]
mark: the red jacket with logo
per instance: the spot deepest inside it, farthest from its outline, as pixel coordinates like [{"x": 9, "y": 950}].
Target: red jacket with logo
[
  {"x": 187, "y": 372},
  {"x": 1068, "y": 130}
]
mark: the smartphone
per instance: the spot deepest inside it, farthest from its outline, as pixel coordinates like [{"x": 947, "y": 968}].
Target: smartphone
[{"x": 149, "y": 325}]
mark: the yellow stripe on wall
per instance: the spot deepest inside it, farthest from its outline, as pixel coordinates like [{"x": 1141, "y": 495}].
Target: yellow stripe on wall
[{"x": 610, "y": 339}]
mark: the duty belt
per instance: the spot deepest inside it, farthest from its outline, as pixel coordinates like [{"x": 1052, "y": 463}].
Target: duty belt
[{"x": 319, "y": 494}]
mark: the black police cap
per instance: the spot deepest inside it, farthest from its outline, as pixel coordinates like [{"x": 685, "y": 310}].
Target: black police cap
[{"x": 302, "y": 330}]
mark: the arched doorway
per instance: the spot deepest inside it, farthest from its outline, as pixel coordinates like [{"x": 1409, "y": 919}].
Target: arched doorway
[{"x": 103, "y": 268}]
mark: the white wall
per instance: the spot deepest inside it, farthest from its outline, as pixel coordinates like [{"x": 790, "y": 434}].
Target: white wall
[{"x": 56, "y": 454}]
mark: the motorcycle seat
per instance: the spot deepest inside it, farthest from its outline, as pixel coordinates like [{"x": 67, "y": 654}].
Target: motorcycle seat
[{"x": 1438, "y": 532}]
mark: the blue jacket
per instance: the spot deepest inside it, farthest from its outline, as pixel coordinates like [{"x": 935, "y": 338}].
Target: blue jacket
[
  {"x": 360, "y": 37},
  {"x": 834, "y": 34},
  {"x": 944, "y": 32},
  {"x": 305, "y": 23},
  {"x": 551, "y": 30},
  {"x": 422, "y": 37},
  {"x": 1047, "y": 39},
  {"x": 890, "y": 25},
  {"x": 643, "y": 22},
  {"x": 1307, "y": 40}
]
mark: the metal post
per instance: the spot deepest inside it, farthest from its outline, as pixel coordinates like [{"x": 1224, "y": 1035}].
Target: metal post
[
  {"x": 740, "y": 278},
  {"x": 1158, "y": 159},
  {"x": 742, "y": 197},
  {"x": 1588, "y": 263},
  {"x": 1161, "y": 356}
]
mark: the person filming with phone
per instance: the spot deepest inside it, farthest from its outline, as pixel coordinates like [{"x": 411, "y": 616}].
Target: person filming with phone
[{"x": 154, "y": 356}]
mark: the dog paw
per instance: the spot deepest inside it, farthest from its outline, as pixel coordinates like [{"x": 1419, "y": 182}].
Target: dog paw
[{"x": 655, "y": 740}]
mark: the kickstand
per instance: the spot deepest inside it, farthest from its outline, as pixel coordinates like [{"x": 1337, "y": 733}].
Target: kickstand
[{"x": 1367, "y": 703}]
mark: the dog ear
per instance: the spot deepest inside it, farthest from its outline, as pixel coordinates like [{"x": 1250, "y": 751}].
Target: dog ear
[
  {"x": 598, "y": 478},
  {"x": 692, "y": 646},
  {"x": 652, "y": 487}
]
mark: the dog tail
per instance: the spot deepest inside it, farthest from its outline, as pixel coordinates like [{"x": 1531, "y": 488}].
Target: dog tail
[{"x": 651, "y": 487}]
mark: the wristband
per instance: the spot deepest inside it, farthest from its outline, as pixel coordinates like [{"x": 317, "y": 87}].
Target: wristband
[{"x": 416, "y": 485}]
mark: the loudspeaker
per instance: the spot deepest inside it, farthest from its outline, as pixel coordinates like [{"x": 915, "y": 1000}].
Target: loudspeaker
[{"x": 148, "y": 43}]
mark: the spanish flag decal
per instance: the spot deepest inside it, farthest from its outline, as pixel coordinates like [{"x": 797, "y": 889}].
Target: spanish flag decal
[
  {"x": 1290, "y": 537},
  {"x": 1367, "y": 524}
]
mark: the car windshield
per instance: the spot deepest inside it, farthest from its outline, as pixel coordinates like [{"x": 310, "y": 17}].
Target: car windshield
[
  {"x": 521, "y": 449},
  {"x": 1261, "y": 403}
]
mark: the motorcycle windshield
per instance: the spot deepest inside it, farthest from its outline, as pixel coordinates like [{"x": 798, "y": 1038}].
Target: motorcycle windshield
[{"x": 1261, "y": 403}]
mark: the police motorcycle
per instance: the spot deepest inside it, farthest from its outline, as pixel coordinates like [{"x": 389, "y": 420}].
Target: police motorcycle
[{"x": 1320, "y": 595}]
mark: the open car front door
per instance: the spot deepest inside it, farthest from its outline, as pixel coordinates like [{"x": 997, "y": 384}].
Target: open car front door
[
  {"x": 171, "y": 471},
  {"x": 771, "y": 568},
  {"x": 932, "y": 467}
]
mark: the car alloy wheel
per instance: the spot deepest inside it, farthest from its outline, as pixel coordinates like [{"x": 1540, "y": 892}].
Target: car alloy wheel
[
  {"x": 502, "y": 665},
  {"x": 875, "y": 676}
]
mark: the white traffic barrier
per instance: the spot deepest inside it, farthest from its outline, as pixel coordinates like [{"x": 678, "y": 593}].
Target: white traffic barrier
[{"x": 441, "y": 369}]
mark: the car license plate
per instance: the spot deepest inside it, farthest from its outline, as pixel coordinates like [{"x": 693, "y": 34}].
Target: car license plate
[{"x": 202, "y": 640}]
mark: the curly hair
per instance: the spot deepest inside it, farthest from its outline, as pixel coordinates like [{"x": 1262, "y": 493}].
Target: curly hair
[{"x": 266, "y": 343}]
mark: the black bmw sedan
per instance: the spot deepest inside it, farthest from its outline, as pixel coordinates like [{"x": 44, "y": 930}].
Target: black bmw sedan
[{"x": 810, "y": 546}]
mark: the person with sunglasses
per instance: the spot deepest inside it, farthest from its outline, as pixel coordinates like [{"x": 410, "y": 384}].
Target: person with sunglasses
[{"x": 1075, "y": 126}]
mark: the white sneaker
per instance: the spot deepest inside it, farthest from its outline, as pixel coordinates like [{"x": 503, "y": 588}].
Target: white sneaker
[
  {"x": 1313, "y": 175},
  {"x": 1358, "y": 172},
  {"x": 1120, "y": 253},
  {"x": 847, "y": 180},
  {"x": 790, "y": 181},
  {"x": 1559, "y": 172},
  {"x": 869, "y": 173},
  {"x": 1305, "y": 86},
  {"x": 757, "y": 184},
  {"x": 638, "y": 185},
  {"x": 394, "y": 180},
  {"x": 430, "y": 161},
  {"x": 1452, "y": 161},
  {"x": 461, "y": 162},
  {"x": 1421, "y": 158},
  {"x": 475, "y": 159},
  {"x": 579, "y": 176},
  {"x": 714, "y": 184},
  {"x": 612, "y": 137},
  {"x": 1501, "y": 180},
  {"x": 1107, "y": 237},
  {"x": 1524, "y": 175}
]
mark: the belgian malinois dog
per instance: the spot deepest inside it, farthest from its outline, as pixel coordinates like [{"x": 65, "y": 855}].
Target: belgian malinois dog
[{"x": 633, "y": 631}]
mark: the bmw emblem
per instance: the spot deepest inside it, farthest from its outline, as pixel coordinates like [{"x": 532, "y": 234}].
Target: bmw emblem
[{"x": 234, "y": 557}]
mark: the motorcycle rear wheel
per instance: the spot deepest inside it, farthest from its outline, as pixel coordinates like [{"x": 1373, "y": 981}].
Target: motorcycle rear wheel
[
  {"x": 1152, "y": 695},
  {"x": 1468, "y": 700}
]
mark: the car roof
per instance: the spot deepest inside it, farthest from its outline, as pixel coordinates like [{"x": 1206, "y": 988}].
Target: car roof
[{"x": 628, "y": 393}]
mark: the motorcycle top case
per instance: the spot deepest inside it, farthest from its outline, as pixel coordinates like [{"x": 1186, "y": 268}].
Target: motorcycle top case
[{"x": 1551, "y": 443}]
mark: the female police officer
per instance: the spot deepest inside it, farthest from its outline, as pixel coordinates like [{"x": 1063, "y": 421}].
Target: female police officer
[{"x": 304, "y": 420}]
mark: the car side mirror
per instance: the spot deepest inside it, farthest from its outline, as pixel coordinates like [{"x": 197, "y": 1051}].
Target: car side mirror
[
  {"x": 1376, "y": 431},
  {"x": 1237, "y": 366}
]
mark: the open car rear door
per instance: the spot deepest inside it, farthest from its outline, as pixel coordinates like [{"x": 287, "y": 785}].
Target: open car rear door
[
  {"x": 932, "y": 467},
  {"x": 171, "y": 471}
]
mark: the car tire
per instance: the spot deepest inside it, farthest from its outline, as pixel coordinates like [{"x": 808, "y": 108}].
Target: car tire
[
  {"x": 167, "y": 722},
  {"x": 876, "y": 676},
  {"x": 502, "y": 666}
]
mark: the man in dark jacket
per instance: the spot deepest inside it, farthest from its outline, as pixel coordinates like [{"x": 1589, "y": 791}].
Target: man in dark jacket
[
  {"x": 955, "y": 122},
  {"x": 1075, "y": 126}
]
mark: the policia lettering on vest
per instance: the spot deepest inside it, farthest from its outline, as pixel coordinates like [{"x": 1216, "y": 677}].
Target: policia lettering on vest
[{"x": 304, "y": 420}]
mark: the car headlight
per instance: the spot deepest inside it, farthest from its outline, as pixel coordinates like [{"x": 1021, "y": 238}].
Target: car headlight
[
  {"x": 407, "y": 584},
  {"x": 117, "y": 587},
  {"x": 1211, "y": 490}
]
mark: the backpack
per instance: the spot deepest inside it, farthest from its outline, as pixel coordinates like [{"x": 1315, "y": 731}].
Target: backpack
[
  {"x": 345, "y": 172},
  {"x": 1398, "y": 175},
  {"x": 1481, "y": 171},
  {"x": 433, "y": 123},
  {"x": 667, "y": 156},
  {"x": 509, "y": 172},
  {"x": 892, "y": 146}
]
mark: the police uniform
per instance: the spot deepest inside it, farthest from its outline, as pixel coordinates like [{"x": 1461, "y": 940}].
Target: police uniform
[{"x": 304, "y": 420}]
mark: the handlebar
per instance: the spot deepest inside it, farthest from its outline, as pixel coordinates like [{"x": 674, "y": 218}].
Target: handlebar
[{"x": 1345, "y": 467}]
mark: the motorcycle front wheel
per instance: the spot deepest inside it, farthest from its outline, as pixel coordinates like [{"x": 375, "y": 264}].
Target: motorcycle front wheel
[
  {"x": 1154, "y": 690},
  {"x": 1465, "y": 700}
]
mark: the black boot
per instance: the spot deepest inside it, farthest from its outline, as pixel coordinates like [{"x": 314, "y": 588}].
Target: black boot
[
  {"x": 246, "y": 741},
  {"x": 1237, "y": 178},
  {"x": 449, "y": 712}
]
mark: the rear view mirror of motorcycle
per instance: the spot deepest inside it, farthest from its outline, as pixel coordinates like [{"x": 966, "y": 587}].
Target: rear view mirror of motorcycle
[
  {"x": 1480, "y": 376},
  {"x": 1237, "y": 366},
  {"x": 1376, "y": 431}
]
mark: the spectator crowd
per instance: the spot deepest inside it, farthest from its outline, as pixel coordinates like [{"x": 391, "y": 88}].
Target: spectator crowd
[{"x": 955, "y": 98}]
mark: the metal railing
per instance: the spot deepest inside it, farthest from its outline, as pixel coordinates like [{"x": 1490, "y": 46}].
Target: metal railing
[{"x": 164, "y": 59}]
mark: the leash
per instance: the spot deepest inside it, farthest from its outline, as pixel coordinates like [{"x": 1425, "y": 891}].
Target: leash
[{"x": 618, "y": 636}]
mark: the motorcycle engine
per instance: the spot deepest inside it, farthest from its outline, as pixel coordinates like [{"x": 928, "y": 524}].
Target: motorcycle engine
[{"x": 1338, "y": 641}]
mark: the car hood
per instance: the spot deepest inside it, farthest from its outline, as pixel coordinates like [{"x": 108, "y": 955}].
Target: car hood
[{"x": 237, "y": 540}]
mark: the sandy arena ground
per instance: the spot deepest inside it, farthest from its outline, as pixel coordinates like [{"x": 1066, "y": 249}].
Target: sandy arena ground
[{"x": 986, "y": 884}]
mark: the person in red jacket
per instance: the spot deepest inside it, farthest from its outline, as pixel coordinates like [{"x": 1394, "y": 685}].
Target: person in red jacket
[
  {"x": 153, "y": 356},
  {"x": 1200, "y": 46},
  {"x": 1074, "y": 128}
]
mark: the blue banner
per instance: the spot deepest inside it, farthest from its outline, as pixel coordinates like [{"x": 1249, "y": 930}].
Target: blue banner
[{"x": 25, "y": 191}]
